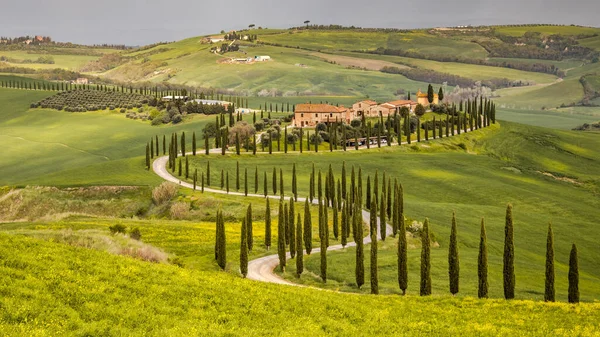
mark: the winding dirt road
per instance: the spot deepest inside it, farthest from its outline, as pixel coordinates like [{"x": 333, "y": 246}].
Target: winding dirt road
[{"x": 260, "y": 269}]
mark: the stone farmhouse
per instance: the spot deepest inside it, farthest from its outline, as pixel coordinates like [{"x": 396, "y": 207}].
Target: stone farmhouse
[
  {"x": 422, "y": 98},
  {"x": 309, "y": 115}
]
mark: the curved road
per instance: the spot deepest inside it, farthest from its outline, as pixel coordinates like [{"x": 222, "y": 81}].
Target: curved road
[{"x": 260, "y": 269}]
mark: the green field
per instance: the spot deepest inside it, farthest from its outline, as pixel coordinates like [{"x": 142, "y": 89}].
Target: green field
[
  {"x": 69, "y": 62},
  {"x": 547, "y": 30},
  {"x": 592, "y": 42}
]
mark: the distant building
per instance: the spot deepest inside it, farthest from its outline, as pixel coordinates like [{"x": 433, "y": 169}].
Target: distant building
[
  {"x": 363, "y": 106},
  {"x": 390, "y": 108},
  {"x": 262, "y": 58},
  {"x": 170, "y": 98},
  {"x": 423, "y": 100},
  {"x": 309, "y": 115},
  {"x": 225, "y": 104},
  {"x": 82, "y": 80}
]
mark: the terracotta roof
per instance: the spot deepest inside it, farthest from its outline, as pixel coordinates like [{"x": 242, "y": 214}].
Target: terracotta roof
[
  {"x": 370, "y": 102},
  {"x": 324, "y": 108},
  {"x": 401, "y": 102}
]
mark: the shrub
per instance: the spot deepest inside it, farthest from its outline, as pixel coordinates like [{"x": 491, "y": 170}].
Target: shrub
[
  {"x": 117, "y": 228},
  {"x": 176, "y": 119},
  {"x": 164, "y": 192},
  {"x": 135, "y": 234},
  {"x": 180, "y": 210}
]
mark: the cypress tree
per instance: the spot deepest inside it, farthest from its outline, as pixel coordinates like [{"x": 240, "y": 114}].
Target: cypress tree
[
  {"x": 227, "y": 182},
  {"x": 374, "y": 276},
  {"x": 573, "y": 276},
  {"x": 344, "y": 239},
  {"x": 244, "y": 250},
  {"x": 482, "y": 268},
  {"x": 245, "y": 181},
  {"x": 202, "y": 182},
  {"x": 281, "y": 238},
  {"x": 222, "y": 260},
  {"x": 249, "y": 227},
  {"x": 147, "y": 157},
  {"x": 382, "y": 222},
  {"x": 368, "y": 197},
  {"x": 265, "y": 190},
  {"x": 323, "y": 252},
  {"x": 320, "y": 187},
  {"x": 453, "y": 262},
  {"x": 217, "y": 235},
  {"x": 164, "y": 145},
  {"x": 237, "y": 144},
  {"x": 307, "y": 228},
  {"x": 549, "y": 293},
  {"x": 291, "y": 231},
  {"x": 237, "y": 175},
  {"x": 425, "y": 289},
  {"x": 281, "y": 182},
  {"x": 207, "y": 173},
  {"x": 388, "y": 202},
  {"x": 268, "y": 225},
  {"x": 195, "y": 178},
  {"x": 222, "y": 179},
  {"x": 509, "y": 256},
  {"x": 294, "y": 183},
  {"x": 286, "y": 227},
  {"x": 358, "y": 239},
  {"x": 373, "y": 217},
  {"x": 256, "y": 179},
  {"x": 274, "y": 181},
  {"x": 194, "y": 143},
  {"x": 336, "y": 229},
  {"x": 180, "y": 167},
  {"x": 402, "y": 256},
  {"x": 151, "y": 149},
  {"x": 299, "y": 250},
  {"x": 187, "y": 168},
  {"x": 183, "y": 144}
]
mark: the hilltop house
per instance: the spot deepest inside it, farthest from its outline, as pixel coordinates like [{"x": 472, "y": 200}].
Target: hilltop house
[
  {"x": 422, "y": 98},
  {"x": 363, "y": 106},
  {"x": 262, "y": 58},
  {"x": 390, "y": 108},
  {"x": 312, "y": 114},
  {"x": 82, "y": 80}
]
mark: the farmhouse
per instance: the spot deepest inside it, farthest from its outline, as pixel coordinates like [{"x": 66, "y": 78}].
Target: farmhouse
[
  {"x": 363, "y": 106},
  {"x": 422, "y": 98},
  {"x": 313, "y": 114},
  {"x": 262, "y": 58},
  {"x": 389, "y": 108},
  {"x": 170, "y": 98},
  {"x": 82, "y": 80},
  {"x": 225, "y": 104}
]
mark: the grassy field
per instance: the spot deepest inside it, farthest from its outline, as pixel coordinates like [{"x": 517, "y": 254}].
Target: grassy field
[
  {"x": 418, "y": 41},
  {"x": 69, "y": 62},
  {"x": 442, "y": 178},
  {"x": 565, "y": 118},
  {"x": 548, "y": 30},
  {"x": 568, "y": 91},
  {"x": 75, "y": 287},
  {"x": 592, "y": 42},
  {"x": 475, "y": 72}
]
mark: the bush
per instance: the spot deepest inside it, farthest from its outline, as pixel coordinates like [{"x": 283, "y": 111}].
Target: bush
[
  {"x": 135, "y": 234},
  {"x": 180, "y": 210},
  {"x": 118, "y": 228},
  {"x": 321, "y": 127},
  {"x": 177, "y": 119},
  {"x": 164, "y": 192},
  {"x": 157, "y": 121},
  {"x": 259, "y": 125},
  {"x": 356, "y": 123}
]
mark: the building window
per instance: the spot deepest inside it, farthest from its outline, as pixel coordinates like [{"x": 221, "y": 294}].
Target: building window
[
  {"x": 317, "y": 115},
  {"x": 301, "y": 115},
  {"x": 330, "y": 114}
]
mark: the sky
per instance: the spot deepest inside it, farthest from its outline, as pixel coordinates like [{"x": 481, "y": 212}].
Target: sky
[{"x": 141, "y": 22}]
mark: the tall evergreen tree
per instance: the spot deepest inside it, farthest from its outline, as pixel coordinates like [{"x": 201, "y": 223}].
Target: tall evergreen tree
[
  {"x": 323, "y": 251},
  {"x": 382, "y": 222},
  {"x": 256, "y": 179},
  {"x": 336, "y": 230},
  {"x": 183, "y": 144},
  {"x": 274, "y": 181},
  {"x": 430, "y": 94},
  {"x": 194, "y": 143},
  {"x": 299, "y": 249},
  {"x": 222, "y": 260},
  {"x": 358, "y": 239},
  {"x": 244, "y": 250},
  {"x": 237, "y": 175},
  {"x": 425, "y": 289},
  {"x": 245, "y": 181},
  {"x": 482, "y": 264},
  {"x": 509, "y": 256},
  {"x": 291, "y": 229},
  {"x": 402, "y": 256},
  {"x": 265, "y": 190},
  {"x": 549, "y": 293},
  {"x": 207, "y": 173},
  {"x": 281, "y": 237},
  {"x": 307, "y": 228},
  {"x": 286, "y": 227},
  {"x": 249, "y": 227},
  {"x": 573, "y": 276},
  {"x": 268, "y": 225},
  {"x": 147, "y": 157},
  {"x": 453, "y": 262},
  {"x": 374, "y": 275},
  {"x": 294, "y": 183}
]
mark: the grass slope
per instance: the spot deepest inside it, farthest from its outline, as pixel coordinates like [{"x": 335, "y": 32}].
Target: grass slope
[
  {"x": 441, "y": 178},
  {"x": 83, "y": 292}
]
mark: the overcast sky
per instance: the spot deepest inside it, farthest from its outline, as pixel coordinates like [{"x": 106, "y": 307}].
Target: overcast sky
[{"x": 139, "y": 22}]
